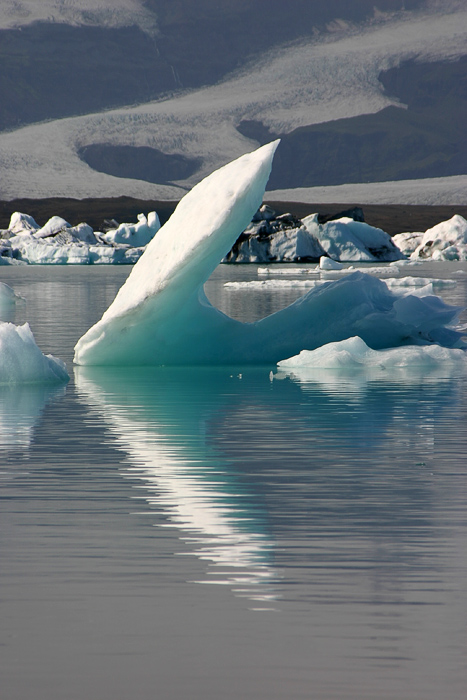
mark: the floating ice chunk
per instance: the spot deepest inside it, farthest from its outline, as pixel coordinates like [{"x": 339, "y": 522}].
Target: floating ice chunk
[
  {"x": 52, "y": 227},
  {"x": 161, "y": 315},
  {"x": 329, "y": 264},
  {"x": 289, "y": 245},
  {"x": 420, "y": 286},
  {"x": 273, "y": 284},
  {"x": 22, "y": 362},
  {"x": 114, "y": 255},
  {"x": 84, "y": 233},
  {"x": 291, "y": 270},
  {"x": 445, "y": 241},
  {"x": 21, "y": 222},
  {"x": 136, "y": 235},
  {"x": 354, "y": 353},
  {"x": 408, "y": 241},
  {"x": 347, "y": 240},
  {"x": 409, "y": 282},
  {"x": 38, "y": 252},
  {"x": 380, "y": 271},
  {"x": 405, "y": 263}
]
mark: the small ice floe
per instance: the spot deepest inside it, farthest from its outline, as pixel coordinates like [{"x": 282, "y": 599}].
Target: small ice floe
[
  {"x": 445, "y": 241},
  {"x": 405, "y": 263},
  {"x": 329, "y": 264},
  {"x": 379, "y": 271},
  {"x": 274, "y": 284},
  {"x": 354, "y": 353},
  {"x": 410, "y": 282},
  {"x": 22, "y": 362},
  {"x": 288, "y": 271}
]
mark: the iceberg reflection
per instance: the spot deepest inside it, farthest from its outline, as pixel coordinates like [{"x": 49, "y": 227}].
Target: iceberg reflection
[
  {"x": 21, "y": 407},
  {"x": 160, "y": 420},
  {"x": 279, "y": 486}
]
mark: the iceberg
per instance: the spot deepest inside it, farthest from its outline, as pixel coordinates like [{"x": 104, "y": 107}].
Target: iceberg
[
  {"x": 274, "y": 238},
  {"x": 137, "y": 235},
  {"x": 346, "y": 240},
  {"x": 445, "y": 241},
  {"x": 53, "y": 226},
  {"x": 22, "y": 362},
  {"x": 354, "y": 353},
  {"x": 408, "y": 241},
  {"x": 329, "y": 264},
  {"x": 20, "y": 222},
  {"x": 161, "y": 315},
  {"x": 59, "y": 243}
]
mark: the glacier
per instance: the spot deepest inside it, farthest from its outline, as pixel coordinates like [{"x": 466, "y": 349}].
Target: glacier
[{"x": 161, "y": 315}]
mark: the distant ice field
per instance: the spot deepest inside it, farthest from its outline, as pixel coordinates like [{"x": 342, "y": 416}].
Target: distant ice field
[
  {"x": 108, "y": 13},
  {"x": 428, "y": 191},
  {"x": 333, "y": 78}
]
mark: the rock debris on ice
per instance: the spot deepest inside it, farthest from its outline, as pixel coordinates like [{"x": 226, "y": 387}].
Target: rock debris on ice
[{"x": 445, "y": 241}]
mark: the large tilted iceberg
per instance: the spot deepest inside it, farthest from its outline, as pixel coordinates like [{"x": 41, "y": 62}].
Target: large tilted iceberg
[{"x": 161, "y": 315}]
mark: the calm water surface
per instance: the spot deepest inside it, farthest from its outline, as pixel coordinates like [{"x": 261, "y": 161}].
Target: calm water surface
[{"x": 230, "y": 532}]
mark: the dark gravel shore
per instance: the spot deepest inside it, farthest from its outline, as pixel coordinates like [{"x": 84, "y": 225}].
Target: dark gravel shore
[{"x": 392, "y": 218}]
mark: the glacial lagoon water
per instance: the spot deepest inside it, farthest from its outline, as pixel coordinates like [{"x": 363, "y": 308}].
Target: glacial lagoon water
[{"x": 231, "y": 532}]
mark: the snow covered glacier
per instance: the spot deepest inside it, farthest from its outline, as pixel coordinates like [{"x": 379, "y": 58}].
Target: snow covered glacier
[{"x": 161, "y": 315}]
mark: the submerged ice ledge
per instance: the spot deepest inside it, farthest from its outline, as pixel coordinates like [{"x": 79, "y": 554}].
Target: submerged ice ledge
[{"x": 161, "y": 315}]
